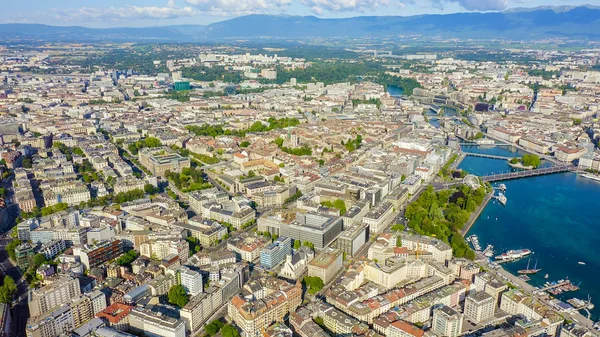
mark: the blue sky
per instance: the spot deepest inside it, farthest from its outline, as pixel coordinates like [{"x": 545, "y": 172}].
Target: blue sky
[{"x": 139, "y": 13}]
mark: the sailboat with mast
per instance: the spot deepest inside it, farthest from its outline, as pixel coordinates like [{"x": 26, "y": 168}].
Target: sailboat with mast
[{"x": 528, "y": 271}]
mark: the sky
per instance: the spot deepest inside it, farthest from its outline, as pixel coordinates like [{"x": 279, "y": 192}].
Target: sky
[{"x": 142, "y": 13}]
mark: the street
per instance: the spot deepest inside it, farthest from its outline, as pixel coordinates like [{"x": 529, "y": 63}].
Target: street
[{"x": 20, "y": 311}]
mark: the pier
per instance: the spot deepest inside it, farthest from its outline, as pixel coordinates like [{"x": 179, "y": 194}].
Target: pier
[{"x": 558, "y": 285}]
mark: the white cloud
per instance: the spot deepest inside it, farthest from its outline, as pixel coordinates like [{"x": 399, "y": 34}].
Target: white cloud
[
  {"x": 319, "y": 6},
  {"x": 239, "y": 7},
  {"x": 470, "y": 5},
  {"x": 83, "y": 14},
  {"x": 483, "y": 5}
]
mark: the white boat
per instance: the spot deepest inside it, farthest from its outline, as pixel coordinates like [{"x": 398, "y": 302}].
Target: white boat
[
  {"x": 546, "y": 276},
  {"x": 513, "y": 255},
  {"x": 582, "y": 263},
  {"x": 502, "y": 187},
  {"x": 501, "y": 198},
  {"x": 591, "y": 176}
]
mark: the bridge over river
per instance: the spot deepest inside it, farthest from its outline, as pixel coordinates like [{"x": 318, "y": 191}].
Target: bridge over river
[{"x": 511, "y": 175}]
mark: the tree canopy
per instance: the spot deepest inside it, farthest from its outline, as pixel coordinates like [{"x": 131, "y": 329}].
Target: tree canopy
[
  {"x": 443, "y": 214},
  {"x": 178, "y": 296},
  {"x": 313, "y": 284}
]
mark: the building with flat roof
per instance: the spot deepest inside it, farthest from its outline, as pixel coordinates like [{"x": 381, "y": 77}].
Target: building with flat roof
[
  {"x": 326, "y": 264},
  {"x": 319, "y": 229},
  {"x": 447, "y": 322},
  {"x": 479, "y": 306},
  {"x": 146, "y": 322},
  {"x": 24, "y": 255},
  {"x": 162, "y": 159},
  {"x": 95, "y": 255},
  {"x": 191, "y": 280},
  {"x": 59, "y": 291},
  {"x": 351, "y": 239},
  {"x": 275, "y": 253}
]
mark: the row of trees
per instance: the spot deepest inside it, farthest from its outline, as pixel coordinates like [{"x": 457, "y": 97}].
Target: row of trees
[{"x": 443, "y": 214}]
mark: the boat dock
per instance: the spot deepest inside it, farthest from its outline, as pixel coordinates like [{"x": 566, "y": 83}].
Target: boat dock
[{"x": 562, "y": 285}]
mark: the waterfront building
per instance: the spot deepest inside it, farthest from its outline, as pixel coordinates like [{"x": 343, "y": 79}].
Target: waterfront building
[{"x": 491, "y": 285}]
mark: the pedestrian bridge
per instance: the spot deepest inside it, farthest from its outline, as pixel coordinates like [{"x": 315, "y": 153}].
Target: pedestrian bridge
[
  {"x": 511, "y": 175},
  {"x": 490, "y": 156}
]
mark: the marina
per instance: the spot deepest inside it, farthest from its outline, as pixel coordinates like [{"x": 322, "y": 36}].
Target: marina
[{"x": 539, "y": 219}]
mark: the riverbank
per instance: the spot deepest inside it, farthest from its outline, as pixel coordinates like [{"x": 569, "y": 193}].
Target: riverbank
[{"x": 476, "y": 214}]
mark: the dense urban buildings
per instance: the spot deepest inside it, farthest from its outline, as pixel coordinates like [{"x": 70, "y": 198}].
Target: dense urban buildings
[{"x": 170, "y": 190}]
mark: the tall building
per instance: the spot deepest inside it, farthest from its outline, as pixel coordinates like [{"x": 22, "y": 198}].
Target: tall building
[
  {"x": 24, "y": 255},
  {"x": 479, "y": 306},
  {"x": 447, "y": 322},
  {"x": 191, "y": 280},
  {"x": 56, "y": 294},
  {"x": 275, "y": 253}
]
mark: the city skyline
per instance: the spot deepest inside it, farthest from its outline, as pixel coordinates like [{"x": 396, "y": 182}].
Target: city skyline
[{"x": 144, "y": 13}]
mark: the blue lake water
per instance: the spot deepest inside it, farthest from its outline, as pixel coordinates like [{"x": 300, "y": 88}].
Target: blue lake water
[{"x": 556, "y": 216}]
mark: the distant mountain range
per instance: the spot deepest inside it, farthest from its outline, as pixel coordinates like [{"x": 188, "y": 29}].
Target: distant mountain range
[{"x": 520, "y": 24}]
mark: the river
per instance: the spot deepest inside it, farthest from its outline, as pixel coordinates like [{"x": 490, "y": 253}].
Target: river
[{"x": 556, "y": 216}]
